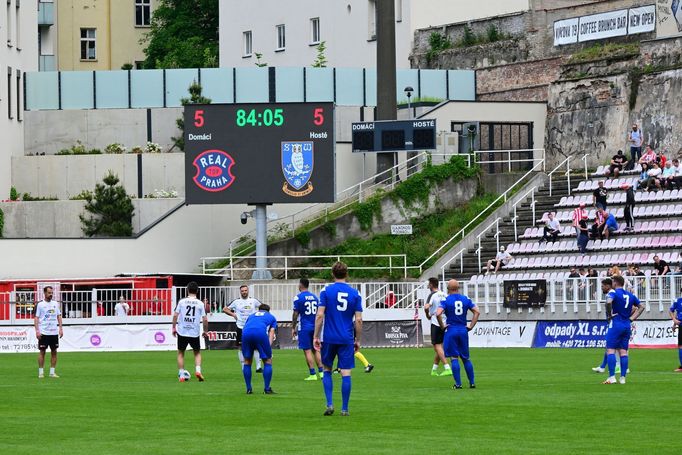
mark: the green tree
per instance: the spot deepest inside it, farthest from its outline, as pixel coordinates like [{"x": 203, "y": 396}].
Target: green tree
[
  {"x": 183, "y": 34},
  {"x": 111, "y": 210},
  {"x": 195, "y": 97},
  {"x": 321, "y": 59}
]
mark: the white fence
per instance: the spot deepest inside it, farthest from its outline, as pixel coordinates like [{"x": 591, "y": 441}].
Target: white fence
[{"x": 565, "y": 298}]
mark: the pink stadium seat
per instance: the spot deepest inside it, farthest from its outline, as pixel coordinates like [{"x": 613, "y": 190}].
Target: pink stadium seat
[
  {"x": 567, "y": 261},
  {"x": 526, "y": 233},
  {"x": 622, "y": 259},
  {"x": 655, "y": 242},
  {"x": 522, "y": 264},
  {"x": 657, "y": 226},
  {"x": 629, "y": 258},
  {"x": 619, "y": 244},
  {"x": 648, "y": 211},
  {"x": 666, "y": 195},
  {"x": 675, "y": 257},
  {"x": 677, "y": 242},
  {"x": 665, "y": 257},
  {"x": 666, "y": 226}
]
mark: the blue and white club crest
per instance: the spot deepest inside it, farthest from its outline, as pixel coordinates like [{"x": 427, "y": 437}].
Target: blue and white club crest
[{"x": 297, "y": 166}]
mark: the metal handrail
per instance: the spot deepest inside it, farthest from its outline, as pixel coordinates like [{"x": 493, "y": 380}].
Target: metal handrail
[
  {"x": 461, "y": 232},
  {"x": 584, "y": 158},
  {"x": 509, "y": 161},
  {"x": 356, "y": 193},
  {"x": 567, "y": 161},
  {"x": 497, "y": 238},
  {"x": 460, "y": 253},
  {"x": 521, "y": 201}
]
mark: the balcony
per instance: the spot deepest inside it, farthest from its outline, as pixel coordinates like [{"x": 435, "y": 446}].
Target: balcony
[
  {"x": 46, "y": 63},
  {"x": 45, "y": 13}
]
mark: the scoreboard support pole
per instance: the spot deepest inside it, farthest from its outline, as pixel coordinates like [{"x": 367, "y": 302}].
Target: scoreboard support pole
[{"x": 261, "y": 272}]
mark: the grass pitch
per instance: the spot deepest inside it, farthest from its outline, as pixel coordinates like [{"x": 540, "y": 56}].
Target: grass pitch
[{"x": 527, "y": 401}]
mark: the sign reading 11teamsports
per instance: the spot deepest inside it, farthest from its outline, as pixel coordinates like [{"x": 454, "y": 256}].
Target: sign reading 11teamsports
[{"x": 259, "y": 153}]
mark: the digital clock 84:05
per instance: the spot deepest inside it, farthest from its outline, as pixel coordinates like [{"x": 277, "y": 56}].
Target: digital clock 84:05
[{"x": 269, "y": 117}]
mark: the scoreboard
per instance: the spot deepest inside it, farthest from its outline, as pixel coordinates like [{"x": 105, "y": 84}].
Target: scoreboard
[
  {"x": 394, "y": 135},
  {"x": 259, "y": 153}
]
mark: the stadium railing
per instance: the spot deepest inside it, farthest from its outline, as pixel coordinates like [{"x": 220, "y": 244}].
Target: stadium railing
[
  {"x": 509, "y": 162},
  {"x": 565, "y": 298}
]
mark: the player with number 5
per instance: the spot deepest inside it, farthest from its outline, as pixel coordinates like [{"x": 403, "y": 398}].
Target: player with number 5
[
  {"x": 340, "y": 312},
  {"x": 305, "y": 308},
  {"x": 456, "y": 341}
]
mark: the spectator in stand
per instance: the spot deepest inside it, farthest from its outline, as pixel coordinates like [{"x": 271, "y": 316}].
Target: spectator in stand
[
  {"x": 661, "y": 159},
  {"x": 676, "y": 181},
  {"x": 592, "y": 273},
  {"x": 653, "y": 180},
  {"x": 610, "y": 225},
  {"x": 501, "y": 259},
  {"x": 660, "y": 267},
  {"x": 668, "y": 175},
  {"x": 578, "y": 214},
  {"x": 599, "y": 224},
  {"x": 122, "y": 308},
  {"x": 574, "y": 273},
  {"x": 635, "y": 138},
  {"x": 599, "y": 196},
  {"x": 617, "y": 162},
  {"x": 643, "y": 176},
  {"x": 615, "y": 271},
  {"x": 552, "y": 228},
  {"x": 648, "y": 157},
  {"x": 583, "y": 235},
  {"x": 629, "y": 211}
]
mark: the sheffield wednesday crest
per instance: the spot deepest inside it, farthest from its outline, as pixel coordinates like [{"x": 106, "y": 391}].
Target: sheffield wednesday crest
[{"x": 297, "y": 167}]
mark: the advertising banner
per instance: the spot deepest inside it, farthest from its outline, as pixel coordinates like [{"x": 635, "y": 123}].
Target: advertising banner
[
  {"x": 642, "y": 19},
  {"x": 221, "y": 335},
  {"x": 525, "y": 293},
  {"x": 391, "y": 334},
  {"x": 669, "y": 18},
  {"x": 78, "y": 338},
  {"x": 570, "y": 334},
  {"x": 566, "y": 31},
  {"x": 501, "y": 334},
  {"x": 653, "y": 334},
  {"x": 603, "y": 25}
]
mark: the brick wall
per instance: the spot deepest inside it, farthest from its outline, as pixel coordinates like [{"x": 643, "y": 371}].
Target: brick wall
[{"x": 524, "y": 81}]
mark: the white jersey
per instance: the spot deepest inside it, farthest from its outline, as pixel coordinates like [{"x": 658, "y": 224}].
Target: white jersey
[
  {"x": 190, "y": 313},
  {"x": 244, "y": 308},
  {"x": 435, "y": 300},
  {"x": 121, "y": 309},
  {"x": 47, "y": 313}
]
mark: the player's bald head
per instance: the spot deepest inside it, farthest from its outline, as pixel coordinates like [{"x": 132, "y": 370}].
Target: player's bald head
[{"x": 453, "y": 285}]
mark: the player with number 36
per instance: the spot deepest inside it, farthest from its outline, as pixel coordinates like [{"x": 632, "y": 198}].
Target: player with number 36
[{"x": 305, "y": 310}]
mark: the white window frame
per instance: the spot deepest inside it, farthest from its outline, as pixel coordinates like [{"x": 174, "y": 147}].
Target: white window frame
[
  {"x": 247, "y": 43},
  {"x": 315, "y": 30},
  {"x": 398, "y": 10},
  {"x": 281, "y": 37},
  {"x": 9, "y": 23},
  {"x": 371, "y": 20},
  {"x": 88, "y": 39},
  {"x": 145, "y": 5}
]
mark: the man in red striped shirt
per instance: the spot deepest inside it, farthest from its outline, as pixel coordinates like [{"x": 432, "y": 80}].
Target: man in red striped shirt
[{"x": 578, "y": 215}]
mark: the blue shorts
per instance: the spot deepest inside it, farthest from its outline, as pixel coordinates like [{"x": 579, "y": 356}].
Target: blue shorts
[
  {"x": 456, "y": 343},
  {"x": 618, "y": 334},
  {"x": 305, "y": 339},
  {"x": 255, "y": 341},
  {"x": 345, "y": 353}
]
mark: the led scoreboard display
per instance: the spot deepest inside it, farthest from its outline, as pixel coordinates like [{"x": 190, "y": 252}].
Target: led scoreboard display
[
  {"x": 394, "y": 135},
  {"x": 259, "y": 153}
]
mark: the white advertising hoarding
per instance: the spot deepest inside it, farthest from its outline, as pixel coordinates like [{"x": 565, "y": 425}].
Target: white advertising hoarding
[
  {"x": 502, "y": 334},
  {"x": 605, "y": 25}
]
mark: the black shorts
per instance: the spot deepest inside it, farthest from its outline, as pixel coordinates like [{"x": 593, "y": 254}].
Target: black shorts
[
  {"x": 437, "y": 335},
  {"x": 239, "y": 336},
  {"x": 192, "y": 341},
  {"x": 679, "y": 336},
  {"x": 493, "y": 264},
  {"x": 48, "y": 341}
]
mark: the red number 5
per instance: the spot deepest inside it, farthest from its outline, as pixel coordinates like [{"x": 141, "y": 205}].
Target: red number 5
[
  {"x": 319, "y": 116},
  {"x": 199, "y": 118}
]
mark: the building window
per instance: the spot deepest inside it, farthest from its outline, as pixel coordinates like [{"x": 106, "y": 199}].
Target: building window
[
  {"x": 143, "y": 13},
  {"x": 372, "y": 20},
  {"x": 9, "y": 93},
  {"x": 88, "y": 44},
  {"x": 17, "y": 27},
  {"x": 247, "y": 39},
  {"x": 19, "y": 95},
  {"x": 8, "y": 17},
  {"x": 315, "y": 30},
  {"x": 398, "y": 10},
  {"x": 281, "y": 37}
]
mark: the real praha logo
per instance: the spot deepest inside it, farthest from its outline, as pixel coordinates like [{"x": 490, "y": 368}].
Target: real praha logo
[
  {"x": 297, "y": 167},
  {"x": 213, "y": 170}
]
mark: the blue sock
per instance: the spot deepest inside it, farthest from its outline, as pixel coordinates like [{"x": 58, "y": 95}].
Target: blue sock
[
  {"x": 679, "y": 352},
  {"x": 246, "y": 369},
  {"x": 611, "y": 361},
  {"x": 345, "y": 392},
  {"x": 267, "y": 375},
  {"x": 469, "y": 368},
  {"x": 320, "y": 370},
  {"x": 455, "y": 372},
  {"x": 312, "y": 371},
  {"x": 623, "y": 365},
  {"x": 328, "y": 387},
  {"x": 603, "y": 362}
]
